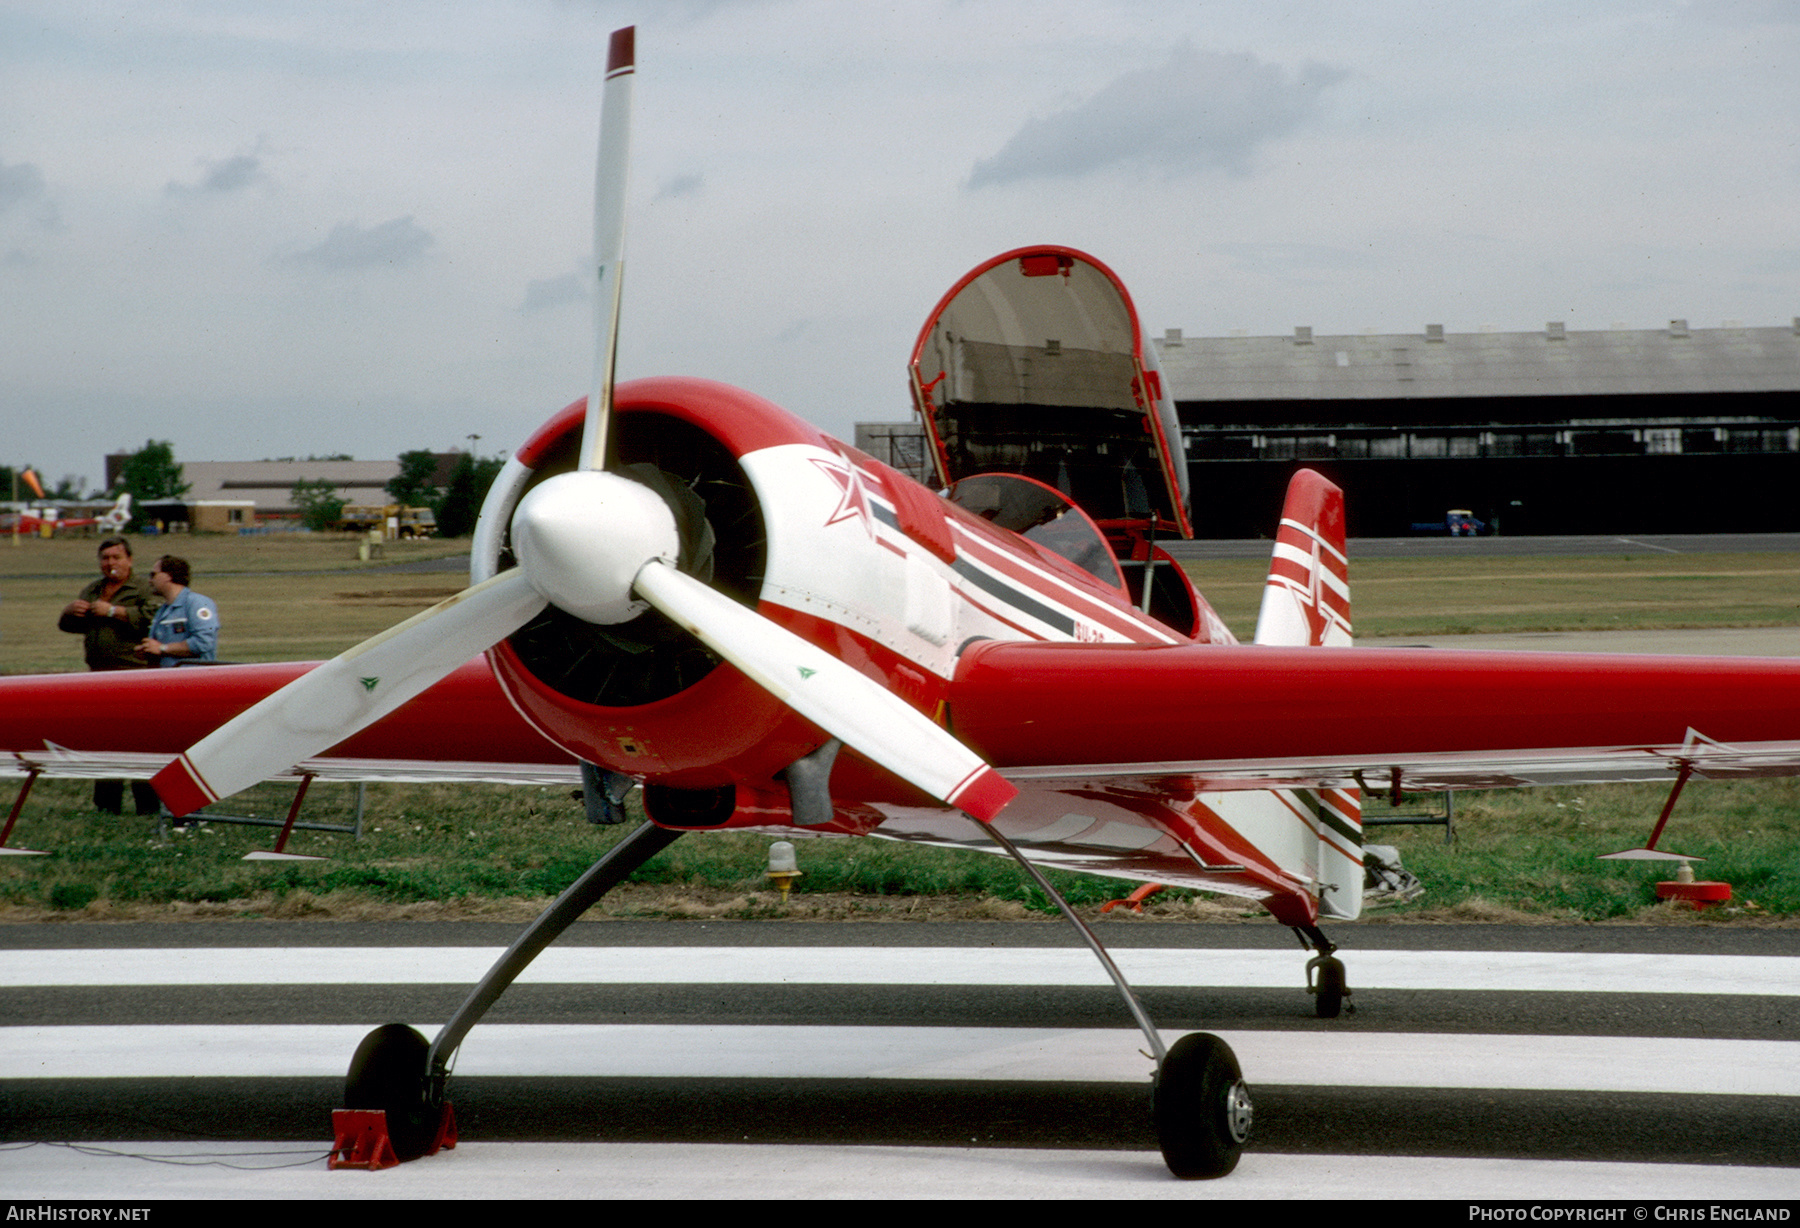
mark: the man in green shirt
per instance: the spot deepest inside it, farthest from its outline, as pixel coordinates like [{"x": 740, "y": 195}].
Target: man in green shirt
[{"x": 112, "y": 615}]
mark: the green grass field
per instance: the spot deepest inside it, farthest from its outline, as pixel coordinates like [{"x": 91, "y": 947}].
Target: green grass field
[
  {"x": 489, "y": 851},
  {"x": 281, "y": 596},
  {"x": 286, "y": 597},
  {"x": 1489, "y": 596}
]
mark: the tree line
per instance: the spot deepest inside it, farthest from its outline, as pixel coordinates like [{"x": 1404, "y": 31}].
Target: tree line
[
  {"x": 455, "y": 506},
  {"x": 152, "y": 473},
  {"x": 149, "y": 473}
]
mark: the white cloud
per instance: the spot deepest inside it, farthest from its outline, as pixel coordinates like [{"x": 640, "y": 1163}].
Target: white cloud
[
  {"x": 399, "y": 241},
  {"x": 545, "y": 293},
  {"x": 677, "y": 186},
  {"x": 19, "y": 183},
  {"x": 1198, "y": 110},
  {"x": 225, "y": 175}
]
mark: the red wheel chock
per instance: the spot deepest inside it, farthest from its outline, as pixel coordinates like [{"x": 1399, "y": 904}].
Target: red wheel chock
[
  {"x": 1696, "y": 894},
  {"x": 362, "y": 1138},
  {"x": 1134, "y": 901}
]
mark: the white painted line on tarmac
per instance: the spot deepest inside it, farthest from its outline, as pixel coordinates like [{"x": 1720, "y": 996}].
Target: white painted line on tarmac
[
  {"x": 1629, "y": 541},
  {"x": 137, "y": 1172},
  {"x": 1546, "y": 971},
  {"x": 1095, "y": 1055}
]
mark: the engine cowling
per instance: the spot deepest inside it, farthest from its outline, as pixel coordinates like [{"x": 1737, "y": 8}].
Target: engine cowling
[{"x": 643, "y": 697}]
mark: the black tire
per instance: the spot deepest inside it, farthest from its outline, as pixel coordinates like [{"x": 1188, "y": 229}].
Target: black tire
[
  {"x": 1201, "y": 1108},
  {"x": 1328, "y": 989},
  {"x": 388, "y": 1072}
]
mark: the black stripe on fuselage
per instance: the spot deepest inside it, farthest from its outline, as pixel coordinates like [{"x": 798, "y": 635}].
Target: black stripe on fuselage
[
  {"x": 991, "y": 585},
  {"x": 1028, "y": 606}
]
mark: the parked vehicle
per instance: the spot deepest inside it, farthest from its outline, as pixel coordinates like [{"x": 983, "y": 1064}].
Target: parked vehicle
[
  {"x": 1458, "y": 522},
  {"x": 392, "y": 519}
]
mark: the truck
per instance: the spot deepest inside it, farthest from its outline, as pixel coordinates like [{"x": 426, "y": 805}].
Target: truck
[
  {"x": 392, "y": 519},
  {"x": 1457, "y": 522}
]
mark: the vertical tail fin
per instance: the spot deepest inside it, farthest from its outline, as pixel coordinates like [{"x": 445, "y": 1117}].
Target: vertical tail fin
[
  {"x": 1307, "y": 598},
  {"x": 119, "y": 515},
  {"x": 1307, "y": 602}
]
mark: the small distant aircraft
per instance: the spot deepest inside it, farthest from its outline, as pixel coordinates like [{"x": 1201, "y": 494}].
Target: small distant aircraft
[
  {"x": 34, "y": 520},
  {"x": 679, "y": 585}
]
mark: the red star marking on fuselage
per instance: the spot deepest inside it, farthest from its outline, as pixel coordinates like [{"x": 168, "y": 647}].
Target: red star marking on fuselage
[{"x": 854, "y": 503}]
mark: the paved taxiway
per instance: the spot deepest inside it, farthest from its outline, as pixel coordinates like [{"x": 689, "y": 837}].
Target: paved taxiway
[
  {"x": 879, "y": 1060},
  {"x": 1589, "y": 545}
]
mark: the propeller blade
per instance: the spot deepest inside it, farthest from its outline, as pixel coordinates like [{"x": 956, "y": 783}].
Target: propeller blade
[
  {"x": 845, "y": 703},
  {"x": 322, "y": 708},
  {"x": 610, "y": 175}
]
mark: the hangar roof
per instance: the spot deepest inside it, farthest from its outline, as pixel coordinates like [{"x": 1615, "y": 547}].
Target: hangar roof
[
  {"x": 1433, "y": 363},
  {"x": 271, "y": 483}
]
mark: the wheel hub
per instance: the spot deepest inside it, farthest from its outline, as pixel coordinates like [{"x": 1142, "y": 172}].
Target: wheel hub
[{"x": 1239, "y": 1112}]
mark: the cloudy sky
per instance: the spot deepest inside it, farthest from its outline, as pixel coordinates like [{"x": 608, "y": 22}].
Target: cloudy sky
[{"x": 265, "y": 229}]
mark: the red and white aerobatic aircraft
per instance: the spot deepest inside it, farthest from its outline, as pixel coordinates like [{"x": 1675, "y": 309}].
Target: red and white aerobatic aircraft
[
  {"x": 33, "y": 521},
  {"x": 678, "y": 584}
]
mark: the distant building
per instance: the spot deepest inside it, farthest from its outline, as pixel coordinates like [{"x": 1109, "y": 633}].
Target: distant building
[
  {"x": 899, "y": 445},
  {"x": 1626, "y": 430},
  {"x": 201, "y": 515},
  {"x": 225, "y": 495}
]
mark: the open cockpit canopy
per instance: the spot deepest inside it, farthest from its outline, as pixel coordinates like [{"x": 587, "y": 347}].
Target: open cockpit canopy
[{"x": 1034, "y": 364}]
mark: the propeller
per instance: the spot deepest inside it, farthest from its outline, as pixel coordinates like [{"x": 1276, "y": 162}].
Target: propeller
[
  {"x": 611, "y": 168},
  {"x": 601, "y": 545}
]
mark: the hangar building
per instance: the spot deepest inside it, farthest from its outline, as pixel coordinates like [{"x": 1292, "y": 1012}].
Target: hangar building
[
  {"x": 225, "y": 496},
  {"x": 1672, "y": 430}
]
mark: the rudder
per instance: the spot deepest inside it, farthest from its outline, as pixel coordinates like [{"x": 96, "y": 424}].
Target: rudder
[{"x": 1307, "y": 598}]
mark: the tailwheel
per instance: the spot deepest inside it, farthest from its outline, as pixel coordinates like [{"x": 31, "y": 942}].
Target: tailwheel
[
  {"x": 388, "y": 1073},
  {"x": 1327, "y": 987},
  {"x": 1201, "y": 1107}
]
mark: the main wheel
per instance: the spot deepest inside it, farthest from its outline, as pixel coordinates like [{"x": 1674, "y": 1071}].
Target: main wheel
[
  {"x": 1329, "y": 990},
  {"x": 1201, "y": 1107},
  {"x": 388, "y": 1072}
]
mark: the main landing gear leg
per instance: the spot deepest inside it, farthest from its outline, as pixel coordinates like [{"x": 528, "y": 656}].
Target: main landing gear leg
[
  {"x": 394, "y": 1069},
  {"x": 1199, "y": 1103},
  {"x": 1327, "y": 987}
]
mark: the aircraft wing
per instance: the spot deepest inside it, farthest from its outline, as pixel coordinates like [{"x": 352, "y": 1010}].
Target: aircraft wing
[
  {"x": 131, "y": 723},
  {"x": 1252, "y": 717},
  {"x": 1219, "y": 717}
]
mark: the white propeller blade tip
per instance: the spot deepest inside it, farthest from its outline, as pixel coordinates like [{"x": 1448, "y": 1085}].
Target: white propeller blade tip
[
  {"x": 983, "y": 795},
  {"x": 181, "y": 788}
]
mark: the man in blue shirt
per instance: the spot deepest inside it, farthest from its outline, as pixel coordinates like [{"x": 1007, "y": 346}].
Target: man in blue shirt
[{"x": 186, "y": 628}]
